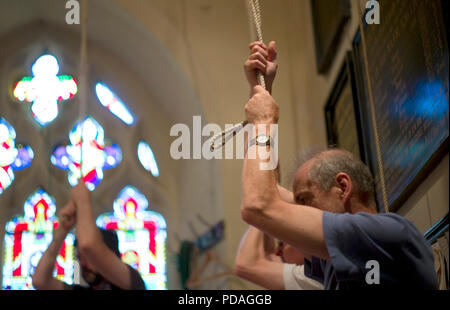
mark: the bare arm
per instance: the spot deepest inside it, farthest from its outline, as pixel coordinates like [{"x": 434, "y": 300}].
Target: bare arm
[
  {"x": 254, "y": 261},
  {"x": 287, "y": 196},
  {"x": 262, "y": 205},
  {"x": 43, "y": 275},
  {"x": 91, "y": 244}
]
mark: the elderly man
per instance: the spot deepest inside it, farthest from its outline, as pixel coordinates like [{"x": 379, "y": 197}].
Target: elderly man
[{"x": 334, "y": 219}]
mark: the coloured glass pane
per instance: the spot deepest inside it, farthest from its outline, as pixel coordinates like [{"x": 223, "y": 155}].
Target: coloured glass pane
[
  {"x": 45, "y": 89},
  {"x": 87, "y": 150},
  {"x": 11, "y": 157},
  {"x": 147, "y": 158},
  {"x": 109, "y": 100},
  {"x": 26, "y": 239},
  {"x": 142, "y": 236}
]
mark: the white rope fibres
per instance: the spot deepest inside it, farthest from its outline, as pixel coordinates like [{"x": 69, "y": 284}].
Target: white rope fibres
[
  {"x": 256, "y": 21},
  {"x": 256, "y": 13},
  {"x": 83, "y": 83}
]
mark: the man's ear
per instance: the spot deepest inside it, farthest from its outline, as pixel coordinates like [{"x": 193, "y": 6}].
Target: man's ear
[{"x": 344, "y": 183}]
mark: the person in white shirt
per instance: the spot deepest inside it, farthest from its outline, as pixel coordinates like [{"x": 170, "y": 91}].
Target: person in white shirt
[{"x": 274, "y": 268}]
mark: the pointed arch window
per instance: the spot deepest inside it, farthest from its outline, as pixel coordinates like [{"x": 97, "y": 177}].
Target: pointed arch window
[
  {"x": 142, "y": 233},
  {"x": 26, "y": 239},
  {"x": 142, "y": 236}
]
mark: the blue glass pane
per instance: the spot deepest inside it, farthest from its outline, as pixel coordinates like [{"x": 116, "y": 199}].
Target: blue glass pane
[{"x": 24, "y": 157}]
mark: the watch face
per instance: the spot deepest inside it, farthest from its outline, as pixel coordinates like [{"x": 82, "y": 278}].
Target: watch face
[{"x": 262, "y": 139}]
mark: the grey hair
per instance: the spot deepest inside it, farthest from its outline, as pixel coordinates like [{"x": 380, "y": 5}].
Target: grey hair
[{"x": 327, "y": 163}]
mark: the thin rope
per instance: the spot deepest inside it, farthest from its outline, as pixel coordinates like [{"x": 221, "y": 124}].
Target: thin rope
[
  {"x": 372, "y": 110},
  {"x": 82, "y": 94},
  {"x": 82, "y": 83},
  {"x": 254, "y": 12}
]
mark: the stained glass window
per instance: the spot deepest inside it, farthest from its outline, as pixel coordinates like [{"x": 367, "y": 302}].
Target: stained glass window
[
  {"x": 26, "y": 239},
  {"x": 109, "y": 100},
  {"x": 142, "y": 236},
  {"x": 45, "y": 89},
  {"x": 147, "y": 159},
  {"x": 11, "y": 157},
  {"x": 93, "y": 156}
]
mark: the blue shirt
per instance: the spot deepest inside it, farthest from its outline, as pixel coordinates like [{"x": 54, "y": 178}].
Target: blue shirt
[{"x": 404, "y": 258}]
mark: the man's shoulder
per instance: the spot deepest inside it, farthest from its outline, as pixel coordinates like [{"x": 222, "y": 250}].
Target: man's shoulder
[
  {"x": 391, "y": 219},
  {"x": 386, "y": 226}
]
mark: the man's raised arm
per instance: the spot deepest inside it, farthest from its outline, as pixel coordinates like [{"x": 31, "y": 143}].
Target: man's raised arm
[
  {"x": 256, "y": 260},
  {"x": 262, "y": 206},
  {"x": 43, "y": 274},
  {"x": 91, "y": 245}
]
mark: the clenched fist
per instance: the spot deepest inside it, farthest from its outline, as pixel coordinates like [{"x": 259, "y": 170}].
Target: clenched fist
[
  {"x": 264, "y": 59},
  {"x": 67, "y": 216}
]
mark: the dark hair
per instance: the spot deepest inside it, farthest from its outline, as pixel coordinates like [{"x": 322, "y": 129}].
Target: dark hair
[{"x": 110, "y": 239}]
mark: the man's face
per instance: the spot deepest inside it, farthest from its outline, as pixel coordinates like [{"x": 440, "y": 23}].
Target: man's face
[
  {"x": 308, "y": 193},
  {"x": 289, "y": 255}
]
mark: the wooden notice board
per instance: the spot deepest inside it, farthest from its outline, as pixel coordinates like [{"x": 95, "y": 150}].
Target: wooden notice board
[
  {"x": 342, "y": 112},
  {"x": 407, "y": 56}
]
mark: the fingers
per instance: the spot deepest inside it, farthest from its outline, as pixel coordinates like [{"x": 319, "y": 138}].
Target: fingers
[
  {"x": 258, "y": 49},
  {"x": 261, "y": 44},
  {"x": 261, "y": 54},
  {"x": 67, "y": 215},
  {"x": 257, "y": 59},
  {"x": 272, "y": 52},
  {"x": 258, "y": 56},
  {"x": 251, "y": 65},
  {"x": 261, "y": 58}
]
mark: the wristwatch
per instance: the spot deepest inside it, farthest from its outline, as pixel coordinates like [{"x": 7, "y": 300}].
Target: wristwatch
[{"x": 261, "y": 140}]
